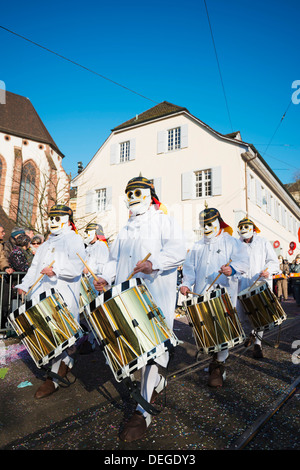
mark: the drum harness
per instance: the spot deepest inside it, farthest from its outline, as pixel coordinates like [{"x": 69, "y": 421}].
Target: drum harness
[{"x": 135, "y": 393}]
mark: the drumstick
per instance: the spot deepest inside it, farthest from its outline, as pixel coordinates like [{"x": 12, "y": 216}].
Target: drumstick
[
  {"x": 257, "y": 279},
  {"x": 218, "y": 276},
  {"x": 89, "y": 269},
  {"x": 145, "y": 259},
  {"x": 50, "y": 266}
]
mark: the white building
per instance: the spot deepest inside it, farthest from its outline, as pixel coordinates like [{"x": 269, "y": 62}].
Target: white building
[
  {"x": 32, "y": 178},
  {"x": 190, "y": 163}
]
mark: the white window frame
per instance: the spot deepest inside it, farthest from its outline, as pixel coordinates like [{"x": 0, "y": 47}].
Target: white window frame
[
  {"x": 124, "y": 151},
  {"x": 174, "y": 138},
  {"x": 101, "y": 199},
  {"x": 203, "y": 183},
  {"x": 188, "y": 183}
]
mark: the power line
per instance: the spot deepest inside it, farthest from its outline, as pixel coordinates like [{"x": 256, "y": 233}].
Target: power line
[
  {"x": 212, "y": 36},
  {"x": 283, "y": 116},
  {"x": 77, "y": 64},
  {"x": 281, "y": 161}
]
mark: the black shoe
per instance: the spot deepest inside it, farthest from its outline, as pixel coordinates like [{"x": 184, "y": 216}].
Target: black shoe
[{"x": 257, "y": 352}]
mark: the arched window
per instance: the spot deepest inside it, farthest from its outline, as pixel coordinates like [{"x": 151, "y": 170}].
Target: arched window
[{"x": 26, "y": 198}]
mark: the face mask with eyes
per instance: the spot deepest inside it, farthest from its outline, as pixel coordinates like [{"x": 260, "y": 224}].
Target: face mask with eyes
[
  {"x": 245, "y": 231},
  {"x": 89, "y": 236},
  {"x": 58, "y": 224},
  {"x": 138, "y": 200},
  {"x": 211, "y": 229}
]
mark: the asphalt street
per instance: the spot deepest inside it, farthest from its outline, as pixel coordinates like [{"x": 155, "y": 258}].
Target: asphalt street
[{"x": 89, "y": 414}]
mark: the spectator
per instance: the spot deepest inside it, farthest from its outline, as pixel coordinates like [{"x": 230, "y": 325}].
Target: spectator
[
  {"x": 20, "y": 258},
  {"x": 295, "y": 269},
  {"x": 282, "y": 283},
  {"x": 4, "y": 264},
  {"x": 4, "y": 292},
  {"x": 11, "y": 243},
  {"x": 36, "y": 241},
  {"x": 29, "y": 232}
]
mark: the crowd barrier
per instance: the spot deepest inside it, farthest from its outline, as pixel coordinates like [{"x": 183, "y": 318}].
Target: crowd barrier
[{"x": 9, "y": 297}]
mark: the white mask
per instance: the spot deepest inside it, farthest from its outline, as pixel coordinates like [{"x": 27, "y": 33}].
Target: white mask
[
  {"x": 138, "y": 200},
  {"x": 245, "y": 231},
  {"x": 89, "y": 236},
  {"x": 58, "y": 224},
  {"x": 211, "y": 229}
]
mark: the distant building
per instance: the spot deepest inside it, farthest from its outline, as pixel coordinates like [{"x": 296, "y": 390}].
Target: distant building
[
  {"x": 294, "y": 190},
  {"x": 31, "y": 174},
  {"x": 189, "y": 163}
]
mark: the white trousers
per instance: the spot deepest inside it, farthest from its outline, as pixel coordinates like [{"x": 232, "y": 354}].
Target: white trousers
[
  {"x": 55, "y": 365},
  {"x": 149, "y": 381}
]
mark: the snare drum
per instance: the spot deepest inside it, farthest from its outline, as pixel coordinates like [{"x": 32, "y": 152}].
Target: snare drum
[
  {"x": 87, "y": 292},
  {"x": 129, "y": 327},
  {"x": 45, "y": 326},
  {"x": 262, "y": 306},
  {"x": 215, "y": 323}
]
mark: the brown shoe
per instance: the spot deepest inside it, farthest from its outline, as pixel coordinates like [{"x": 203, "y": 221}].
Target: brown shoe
[
  {"x": 46, "y": 389},
  {"x": 135, "y": 428},
  {"x": 250, "y": 340},
  {"x": 257, "y": 352},
  {"x": 216, "y": 374},
  {"x": 63, "y": 369}
]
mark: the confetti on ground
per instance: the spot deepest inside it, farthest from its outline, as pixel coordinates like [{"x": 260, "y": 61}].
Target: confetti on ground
[
  {"x": 3, "y": 372},
  {"x": 24, "y": 384}
]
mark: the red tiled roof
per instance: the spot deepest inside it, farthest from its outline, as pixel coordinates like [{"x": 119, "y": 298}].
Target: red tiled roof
[{"x": 18, "y": 117}]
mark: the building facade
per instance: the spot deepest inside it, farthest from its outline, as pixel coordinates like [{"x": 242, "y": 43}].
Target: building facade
[
  {"x": 32, "y": 178},
  {"x": 190, "y": 164}
]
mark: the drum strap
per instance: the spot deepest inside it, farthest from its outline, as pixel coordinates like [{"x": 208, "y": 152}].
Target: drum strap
[
  {"x": 64, "y": 380},
  {"x": 136, "y": 395},
  {"x": 53, "y": 375}
]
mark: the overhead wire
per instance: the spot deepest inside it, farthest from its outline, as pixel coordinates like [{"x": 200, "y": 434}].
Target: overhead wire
[
  {"x": 218, "y": 64},
  {"x": 279, "y": 124},
  {"x": 77, "y": 64}
]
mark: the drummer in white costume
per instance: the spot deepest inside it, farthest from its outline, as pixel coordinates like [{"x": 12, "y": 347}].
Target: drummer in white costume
[
  {"x": 96, "y": 251},
  {"x": 263, "y": 263},
  {"x": 148, "y": 230},
  {"x": 205, "y": 261},
  {"x": 96, "y": 256},
  {"x": 64, "y": 276}
]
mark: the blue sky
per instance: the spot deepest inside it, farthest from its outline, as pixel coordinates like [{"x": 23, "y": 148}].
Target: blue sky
[{"x": 163, "y": 51}]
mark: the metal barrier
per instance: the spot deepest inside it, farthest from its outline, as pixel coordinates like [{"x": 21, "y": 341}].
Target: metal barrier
[{"x": 9, "y": 297}]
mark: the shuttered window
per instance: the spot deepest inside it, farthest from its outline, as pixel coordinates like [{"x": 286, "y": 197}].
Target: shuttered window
[{"x": 201, "y": 183}]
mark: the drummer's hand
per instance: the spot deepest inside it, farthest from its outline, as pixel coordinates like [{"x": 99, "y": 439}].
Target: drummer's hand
[
  {"x": 264, "y": 274},
  {"x": 184, "y": 290},
  {"x": 100, "y": 284},
  {"x": 143, "y": 267},
  {"x": 85, "y": 270},
  {"x": 226, "y": 270},
  {"x": 48, "y": 272}
]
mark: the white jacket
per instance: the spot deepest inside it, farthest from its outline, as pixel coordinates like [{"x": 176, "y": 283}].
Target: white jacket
[
  {"x": 96, "y": 256},
  {"x": 68, "y": 268},
  {"x": 261, "y": 256},
  {"x": 205, "y": 259},
  {"x": 156, "y": 233}
]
